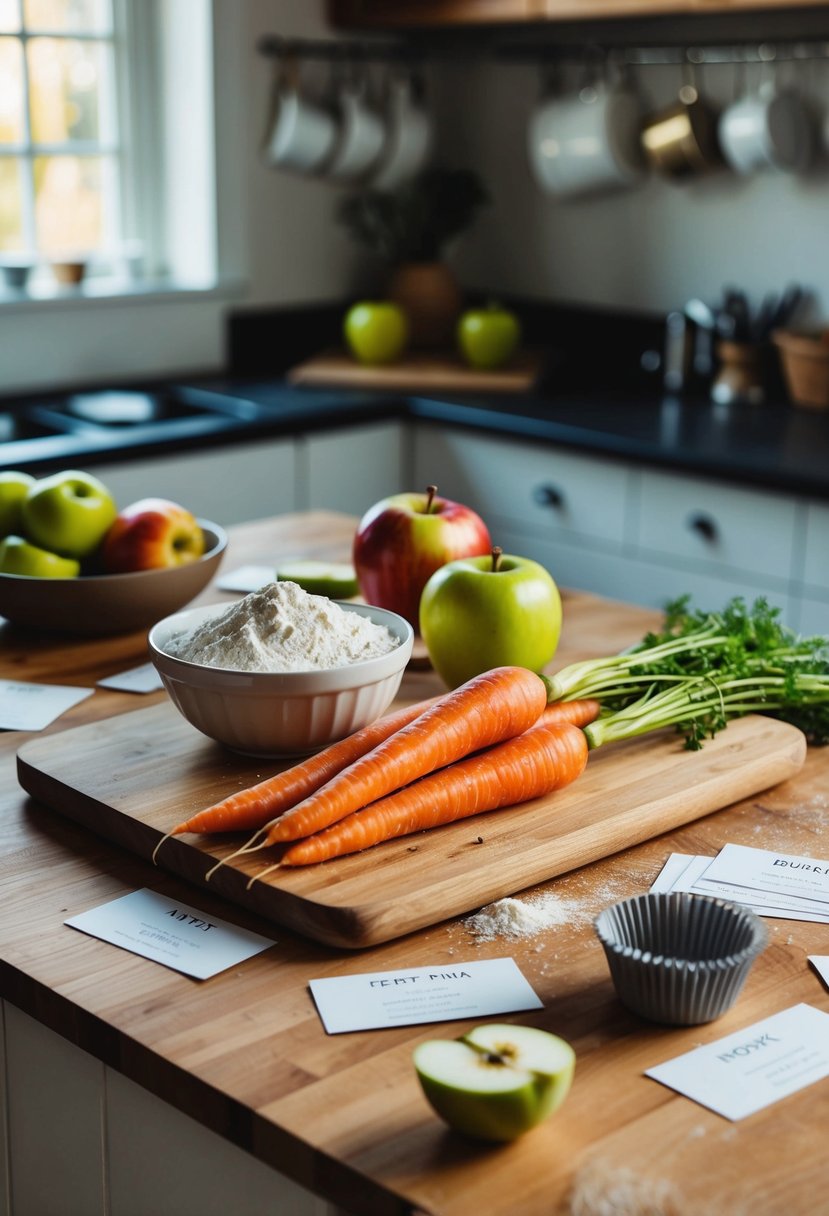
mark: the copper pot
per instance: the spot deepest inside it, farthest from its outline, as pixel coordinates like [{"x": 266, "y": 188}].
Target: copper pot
[{"x": 681, "y": 140}]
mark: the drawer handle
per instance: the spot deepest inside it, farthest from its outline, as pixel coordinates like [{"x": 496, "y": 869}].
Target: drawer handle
[
  {"x": 704, "y": 526},
  {"x": 548, "y": 496}
]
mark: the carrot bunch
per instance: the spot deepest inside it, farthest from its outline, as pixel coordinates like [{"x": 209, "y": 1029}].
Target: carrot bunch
[{"x": 490, "y": 743}]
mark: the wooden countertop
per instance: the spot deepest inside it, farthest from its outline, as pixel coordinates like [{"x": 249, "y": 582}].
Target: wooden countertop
[{"x": 245, "y": 1052}]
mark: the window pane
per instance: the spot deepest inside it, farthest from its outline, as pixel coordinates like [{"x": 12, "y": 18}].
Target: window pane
[
  {"x": 64, "y": 80},
  {"x": 11, "y": 217},
  {"x": 69, "y": 204},
  {"x": 9, "y": 16},
  {"x": 76, "y": 16},
  {"x": 12, "y": 128}
]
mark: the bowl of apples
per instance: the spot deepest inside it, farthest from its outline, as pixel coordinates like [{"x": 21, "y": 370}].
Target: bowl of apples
[{"x": 71, "y": 562}]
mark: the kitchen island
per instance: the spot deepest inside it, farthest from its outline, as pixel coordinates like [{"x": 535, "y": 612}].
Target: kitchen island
[{"x": 245, "y": 1056}]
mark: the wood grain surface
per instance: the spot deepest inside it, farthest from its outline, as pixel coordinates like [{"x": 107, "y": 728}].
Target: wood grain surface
[
  {"x": 132, "y": 778},
  {"x": 423, "y": 372},
  {"x": 245, "y": 1054}
]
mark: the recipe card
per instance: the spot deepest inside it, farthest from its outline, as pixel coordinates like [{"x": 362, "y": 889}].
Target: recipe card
[
  {"x": 28, "y": 706},
  {"x": 416, "y": 995},
  {"x": 802, "y": 879},
  {"x": 698, "y": 875},
  {"x": 246, "y": 578},
  {"x": 752, "y": 1068},
  {"x": 136, "y": 679},
  {"x": 171, "y": 933}
]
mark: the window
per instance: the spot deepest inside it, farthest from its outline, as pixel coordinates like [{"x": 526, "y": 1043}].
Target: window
[
  {"x": 60, "y": 144},
  {"x": 96, "y": 124}
]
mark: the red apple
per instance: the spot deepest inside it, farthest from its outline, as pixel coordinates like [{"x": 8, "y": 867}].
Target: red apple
[
  {"x": 402, "y": 540},
  {"x": 151, "y": 534}
]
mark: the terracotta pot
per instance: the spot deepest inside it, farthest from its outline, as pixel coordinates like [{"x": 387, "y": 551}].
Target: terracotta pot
[{"x": 430, "y": 295}]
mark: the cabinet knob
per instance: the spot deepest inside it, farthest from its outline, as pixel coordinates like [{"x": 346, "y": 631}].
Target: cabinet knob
[
  {"x": 548, "y": 496},
  {"x": 704, "y": 526}
]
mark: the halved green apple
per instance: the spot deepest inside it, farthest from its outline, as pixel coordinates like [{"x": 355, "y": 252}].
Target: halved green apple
[
  {"x": 497, "y": 1081},
  {"x": 337, "y": 580}
]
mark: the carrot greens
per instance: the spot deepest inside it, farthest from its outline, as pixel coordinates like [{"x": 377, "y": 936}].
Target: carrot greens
[{"x": 701, "y": 670}]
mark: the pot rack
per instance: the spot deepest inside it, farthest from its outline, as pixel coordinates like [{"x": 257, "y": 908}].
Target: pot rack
[{"x": 416, "y": 51}]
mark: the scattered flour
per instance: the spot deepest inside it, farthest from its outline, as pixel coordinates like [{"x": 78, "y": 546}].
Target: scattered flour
[
  {"x": 516, "y": 918},
  {"x": 283, "y": 628}
]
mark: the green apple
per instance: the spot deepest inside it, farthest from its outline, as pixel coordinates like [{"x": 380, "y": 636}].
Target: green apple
[
  {"x": 497, "y": 1081},
  {"x": 68, "y": 513},
  {"x": 19, "y": 556},
  {"x": 488, "y": 337},
  {"x": 482, "y": 612},
  {"x": 14, "y": 486},
  {"x": 337, "y": 580},
  {"x": 376, "y": 331}
]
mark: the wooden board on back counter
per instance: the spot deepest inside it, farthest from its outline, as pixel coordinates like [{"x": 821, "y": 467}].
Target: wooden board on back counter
[
  {"x": 132, "y": 777},
  {"x": 418, "y": 372}
]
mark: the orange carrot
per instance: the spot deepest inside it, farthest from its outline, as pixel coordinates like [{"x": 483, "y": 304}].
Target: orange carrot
[
  {"x": 577, "y": 713},
  {"x": 259, "y": 804},
  {"x": 487, "y": 709},
  {"x": 543, "y": 758}
]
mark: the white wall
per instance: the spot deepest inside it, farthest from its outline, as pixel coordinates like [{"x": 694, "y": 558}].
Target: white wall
[{"x": 651, "y": 247}]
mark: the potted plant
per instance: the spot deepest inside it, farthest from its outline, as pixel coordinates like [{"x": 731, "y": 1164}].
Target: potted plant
[{"x": 409, "y": 229}]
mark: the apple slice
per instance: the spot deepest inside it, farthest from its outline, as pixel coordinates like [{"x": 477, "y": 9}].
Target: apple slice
[
  {"x": 498, "y": 1081},
  {"x": 337, "y": 580}
]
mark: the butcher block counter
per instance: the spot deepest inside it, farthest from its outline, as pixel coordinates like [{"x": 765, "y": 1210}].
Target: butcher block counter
[{"x": 245, "y": 1053}]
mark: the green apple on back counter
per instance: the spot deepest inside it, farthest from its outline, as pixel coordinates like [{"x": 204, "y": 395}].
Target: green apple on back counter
[
  {"x": 68, "y": 513},
  {"x": 376, "y": 331},
  {"x": 20, "y": 556},
  {"x": 14, "y": 486},
  {"x": 495, "y": 611},
  {"x": 488, "y": 337},
  {"x": 498, "y": 1081}
]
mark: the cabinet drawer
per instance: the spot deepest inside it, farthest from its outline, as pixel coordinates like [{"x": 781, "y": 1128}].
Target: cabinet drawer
[
  {"x": 816, "y": 553},
  {"x": 539, "y": 486},
  {"x": 723, "y": 527},
  {"x": 226, "y": 484}
]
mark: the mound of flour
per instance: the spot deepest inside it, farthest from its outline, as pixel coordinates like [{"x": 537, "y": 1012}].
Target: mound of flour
[{"x": 283, "y": 628}]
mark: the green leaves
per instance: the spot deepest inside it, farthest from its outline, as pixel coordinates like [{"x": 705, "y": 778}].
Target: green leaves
[
  {"x": 703, "y": 669},
  {"x": 414, "y": 223}
]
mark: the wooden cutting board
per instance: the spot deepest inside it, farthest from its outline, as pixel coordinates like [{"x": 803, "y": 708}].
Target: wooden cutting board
[
  {"x": 132, "y": 777},
  {"x": 418, "y": 372}
]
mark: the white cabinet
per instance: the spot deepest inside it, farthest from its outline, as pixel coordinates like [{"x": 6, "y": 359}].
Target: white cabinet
[
  {"x": 536, "y": 486},
  {"x": 705, "y": 525},
  {"x": 82, "y": 1140},
  {"x": 814, "y": 616},
  {"x": 351, "y": 469},
  {"x": 624, "y": 530},
  {"x": 228, "y": 484},
  {"x": 346, "y": 469}
]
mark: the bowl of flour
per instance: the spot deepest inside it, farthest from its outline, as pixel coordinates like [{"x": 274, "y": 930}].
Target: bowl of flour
[{"x": 281, "y": 672}]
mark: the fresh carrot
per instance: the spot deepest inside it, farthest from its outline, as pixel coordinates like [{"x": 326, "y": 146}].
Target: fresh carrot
[
  {"x": 577, "y": 713},
  {"x": 257, "y": 804},
  {"x": 487, "y": 709},
  {"x": 544, "y": 758}
]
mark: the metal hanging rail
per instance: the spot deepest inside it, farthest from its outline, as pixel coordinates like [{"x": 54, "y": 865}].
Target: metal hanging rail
[{"x": 417, "y": 50}]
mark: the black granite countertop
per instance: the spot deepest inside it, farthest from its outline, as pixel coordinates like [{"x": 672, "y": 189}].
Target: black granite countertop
[
  {"x": 604, "y": 405},
  {"x": 775, "y": 446}
]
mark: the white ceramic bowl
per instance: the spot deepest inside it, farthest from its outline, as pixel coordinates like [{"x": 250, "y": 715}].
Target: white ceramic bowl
[
  {"x": 280, "y": 714},
  {"x": 96, "y": 605}
]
